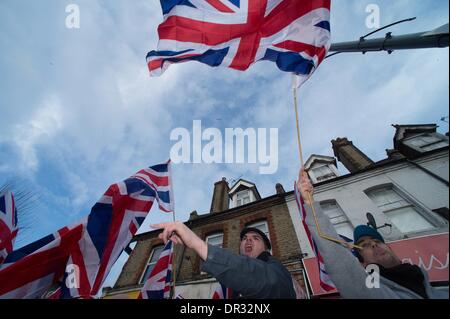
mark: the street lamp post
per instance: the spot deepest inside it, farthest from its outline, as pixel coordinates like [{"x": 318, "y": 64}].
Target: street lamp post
[{"x": 437, "y": 38}]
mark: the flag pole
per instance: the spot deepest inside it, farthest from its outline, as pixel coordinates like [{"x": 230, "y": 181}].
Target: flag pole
[
  {"x": 174, "y": 273},
  {"x": 310, "y": 196},
  {"x": 172, "y": 201},
  {"x": 300, "y": 152}
]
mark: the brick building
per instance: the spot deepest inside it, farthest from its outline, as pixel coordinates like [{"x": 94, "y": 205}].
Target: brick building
[{"x": 221, "y": 226}]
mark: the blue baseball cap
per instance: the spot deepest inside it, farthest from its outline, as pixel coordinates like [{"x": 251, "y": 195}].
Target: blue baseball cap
[{"x": 364, "y": 230}]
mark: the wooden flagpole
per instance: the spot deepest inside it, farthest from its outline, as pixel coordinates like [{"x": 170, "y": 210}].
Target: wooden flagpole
[
  {"x": 174, "y": 273},
  {"x": 310, "y": 197},
  {"x": 172, "y": 201}
]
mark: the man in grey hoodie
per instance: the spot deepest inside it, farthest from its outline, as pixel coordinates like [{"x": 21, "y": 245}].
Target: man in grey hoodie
[{"x": 397, "y": 280}]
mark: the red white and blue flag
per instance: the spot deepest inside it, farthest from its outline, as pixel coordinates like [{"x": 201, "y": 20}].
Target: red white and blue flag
[
  {"x": 294, "y": 34},
  {"x": 158, "y": 284},
  {"x": 325, "y": 281},
  {"x": 8, "y": 224},
  {"x": 33, "y": 269},
  {"x": 78, "y": 258},
  {"x": 221, "y": 292},
  {"x": 159, "y": 178}
]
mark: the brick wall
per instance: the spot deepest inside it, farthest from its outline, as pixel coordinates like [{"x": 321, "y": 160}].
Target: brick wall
[{"x": 285, "y": 246}]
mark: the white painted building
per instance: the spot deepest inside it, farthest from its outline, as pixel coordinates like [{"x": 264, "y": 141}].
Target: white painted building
[{"x": 408, "y": 190}]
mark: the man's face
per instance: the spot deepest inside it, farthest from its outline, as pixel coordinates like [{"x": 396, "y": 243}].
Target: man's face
[
  {"x": 374, "y": 251},
  {"x": 252, "y": 245}
]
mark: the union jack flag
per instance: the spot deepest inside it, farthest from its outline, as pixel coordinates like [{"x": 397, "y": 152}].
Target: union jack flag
[
  {"x": 90, "y": 248},
  {"x": 324, "y": 278},
  {"x": 295, "y": 34},
  {"x": 158, "y": 283},
  {"x": 8, "y": 224},
  {"x": 221, "y": 292},
  {"x": 31, "y": 270}
]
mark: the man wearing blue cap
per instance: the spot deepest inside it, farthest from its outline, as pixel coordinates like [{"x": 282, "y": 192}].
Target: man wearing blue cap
[
  {"x": 396, "y": 280},
  {"x": 374, "y": 250}
]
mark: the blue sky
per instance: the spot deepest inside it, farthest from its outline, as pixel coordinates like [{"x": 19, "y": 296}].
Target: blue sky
[{"x": 80, "y": 112}]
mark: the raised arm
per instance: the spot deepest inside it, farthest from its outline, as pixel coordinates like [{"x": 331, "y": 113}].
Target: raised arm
[
  {"x": 348, "y": 275},
  {"x": 179, "y": 233}
]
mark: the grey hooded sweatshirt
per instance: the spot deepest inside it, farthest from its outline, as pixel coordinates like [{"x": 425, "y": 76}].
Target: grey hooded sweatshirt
[{"x": 349, "y": 276}]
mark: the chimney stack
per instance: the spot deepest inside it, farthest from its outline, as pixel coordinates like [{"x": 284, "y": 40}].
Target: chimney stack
[
  {"x": 220, "y": 200},
  {"x": 394, "y": 154},
  {"x": 193, "y": 215},
  {"x": 279, "y": 188},
  {"x": 349, "y": 155}
]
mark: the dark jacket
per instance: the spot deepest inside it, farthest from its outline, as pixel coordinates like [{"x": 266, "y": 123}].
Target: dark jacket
[{"x": 261, "y": 278}]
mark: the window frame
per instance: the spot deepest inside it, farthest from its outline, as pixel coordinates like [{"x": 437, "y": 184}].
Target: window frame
[
  {"x": 207, "y": 237},
  {"x": 316, "y": 178},
  {"x": 247, "y": 195},
  {"x": 213, "y": 235},
  {"x": 147, "y": 264},
  {"x": 320, "y": 177},
  {"x": 343, "y": 214},
  {"x": 409, "y": 141},
  {"x": 423, "y": 212}
]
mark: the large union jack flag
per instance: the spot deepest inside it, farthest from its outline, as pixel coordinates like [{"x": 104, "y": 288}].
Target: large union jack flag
[
  {"x": 158, "y": 284},
  {"x": 8, "y": 224},
  {"x": 90, "y": 248},
  {"x": 295, "y": 34}
]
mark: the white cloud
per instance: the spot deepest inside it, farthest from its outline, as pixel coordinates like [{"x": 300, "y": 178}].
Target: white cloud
[{"x": 40, "y": 129}]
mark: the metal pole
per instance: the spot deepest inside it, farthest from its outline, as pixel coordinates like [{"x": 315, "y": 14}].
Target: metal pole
[{"x": 438, "y": 38}]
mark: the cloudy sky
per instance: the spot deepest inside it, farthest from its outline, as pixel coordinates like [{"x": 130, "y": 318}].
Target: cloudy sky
[{"x": 80, "y": 112}]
